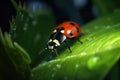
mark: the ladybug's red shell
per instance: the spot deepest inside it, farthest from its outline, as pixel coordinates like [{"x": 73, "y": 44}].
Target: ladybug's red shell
[
  {"x": 71, "y": 29},
  {"x": 66, "y": 30}
]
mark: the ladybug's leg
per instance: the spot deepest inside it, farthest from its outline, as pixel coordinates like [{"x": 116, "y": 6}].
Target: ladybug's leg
[
  {"x": 68, "y": 46},
  {"x": 80, "y": 36},
  {"x": 79, "y": 41},
  {"x": 55, "y": 51}
]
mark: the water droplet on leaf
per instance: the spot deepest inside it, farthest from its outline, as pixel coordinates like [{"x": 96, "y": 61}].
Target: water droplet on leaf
[
  {"x": 83, "y": 54},
  {"x": 58, "y": 66},
  {"x": 92, "y": 62},
  {"x": 77, "y": 65},
  {"x": 89, "y": 38}
]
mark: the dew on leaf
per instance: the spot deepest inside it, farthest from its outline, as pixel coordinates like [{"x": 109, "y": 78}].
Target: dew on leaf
[
  {"x": 58, "y": 66},
  {"x": 69, "y": 57},
  {"x": 89, "y": 38},
  {"x": 43, "y": 64},
  {"x": 77, "y": 65},
  {"x": 92, "y": 62},
  {"x": 83, "y": 54}
]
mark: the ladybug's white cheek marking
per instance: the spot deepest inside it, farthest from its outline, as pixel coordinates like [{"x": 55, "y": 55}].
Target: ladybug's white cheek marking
[
  {"x": 62, "y": 31},
  {"x": 50, "y": 40},
  {"x": 50, "y": 47},
  {"x": 57, "y": 42},
  {"x": 54, "y": 31}
]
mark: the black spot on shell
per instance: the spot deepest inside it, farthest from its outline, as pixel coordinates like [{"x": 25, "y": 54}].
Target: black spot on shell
[
  {"x": 61, "y": 28},
  {"x": 73, "y": 24},
  {"x": 71, "y": 33},
  {"x": 77, "y": 29}
]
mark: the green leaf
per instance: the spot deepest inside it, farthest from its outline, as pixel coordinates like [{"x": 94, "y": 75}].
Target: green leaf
[
  {"x": 31, "y": 30},
  {"x": 91, "y": 60},
  {"x": 104, "y": 7},
  {"x": 13, "y": 58}
]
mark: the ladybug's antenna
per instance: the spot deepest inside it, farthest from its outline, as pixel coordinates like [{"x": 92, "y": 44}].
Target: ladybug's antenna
[{"x": 42, "y": 51}]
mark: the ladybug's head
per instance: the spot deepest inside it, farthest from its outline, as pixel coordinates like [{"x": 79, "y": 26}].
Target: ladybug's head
[{"x": 53, "y": 44}]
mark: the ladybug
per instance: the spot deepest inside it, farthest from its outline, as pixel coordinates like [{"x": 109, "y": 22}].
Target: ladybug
[{"x": 64, "y": 31}]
